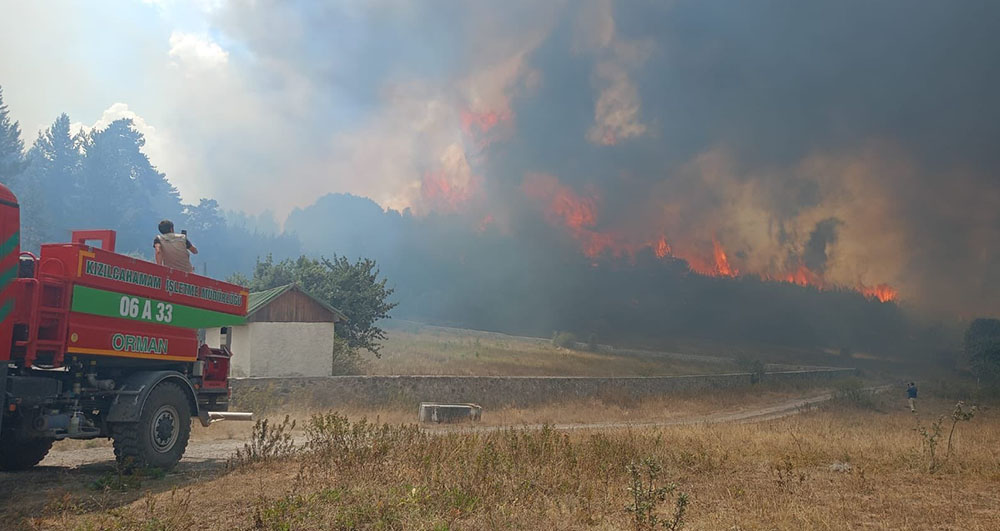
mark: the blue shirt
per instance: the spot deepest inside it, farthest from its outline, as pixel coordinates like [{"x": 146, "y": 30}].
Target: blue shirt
[{"x": 911, "y": 392}]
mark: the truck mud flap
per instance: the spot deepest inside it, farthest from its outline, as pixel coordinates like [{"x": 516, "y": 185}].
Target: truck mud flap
[{"x": 132, "y": 393}]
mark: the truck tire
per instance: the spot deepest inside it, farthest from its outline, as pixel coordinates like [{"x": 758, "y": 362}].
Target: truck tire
[
  {"x": 22, "y": 454},
  {"x": 159, "y": 438}
]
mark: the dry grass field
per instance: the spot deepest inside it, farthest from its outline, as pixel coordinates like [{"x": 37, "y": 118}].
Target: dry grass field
[
  {"x": 854, "y": 464},
  {"x": 678, "y": 405},
  {"x": 412, "y": 348}
]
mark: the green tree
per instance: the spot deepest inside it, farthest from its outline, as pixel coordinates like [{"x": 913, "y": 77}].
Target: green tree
[
  {"x": 124, "y": 190},
  {"x": 50, "y": 187},
  {"x": 352, "y": 287},
  {"x": 12, "y": 161},
  {"x": 205, "y": 217},
  {"x": 982, "y": 348}
]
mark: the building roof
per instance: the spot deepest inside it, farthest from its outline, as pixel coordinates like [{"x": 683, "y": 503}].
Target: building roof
[{"x": 260, "y": 299}]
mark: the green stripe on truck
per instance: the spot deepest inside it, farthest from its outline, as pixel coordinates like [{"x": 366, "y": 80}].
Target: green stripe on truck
[
  {"x": 7, "y": 276},
  {"x": 123, "y": 306},
  {"x": 5, "y": 309},
  {"x": 8, "y": 246}
]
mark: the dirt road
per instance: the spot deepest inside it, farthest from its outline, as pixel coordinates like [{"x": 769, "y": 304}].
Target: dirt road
[{"x": 783, "y": 409}]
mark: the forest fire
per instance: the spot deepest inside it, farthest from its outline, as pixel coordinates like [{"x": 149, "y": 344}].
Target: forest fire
[
  {"x": 578, "y": 214},
  {"x": 802, "y": 276},
  {"x": 563, "y": 205},
  {"x": 882, "y": 292}
]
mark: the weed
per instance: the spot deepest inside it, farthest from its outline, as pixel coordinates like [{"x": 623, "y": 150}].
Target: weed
[
  {"x": 959, "y": 414},
  {"x": 786, "y": 475},
  {"x": 124, "y": 478},
  {"x": 930, "y": 437},
  {"x": 277, "y": 515},
  {"x": 267, "y": 443},
  {"x": 646, "y": 497}
]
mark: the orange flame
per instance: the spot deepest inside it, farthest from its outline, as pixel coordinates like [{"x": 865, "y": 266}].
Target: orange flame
[
  {"x": 716, "y": 265},
  {"x": 803, "y": 276},
  {"x": 564, "y": 206},
  {"x": 722, "y": 266},
  {"x": 882, "y": 292},
  {"x": 439, "y": 190},
  {"x": 662, "y": 248}
]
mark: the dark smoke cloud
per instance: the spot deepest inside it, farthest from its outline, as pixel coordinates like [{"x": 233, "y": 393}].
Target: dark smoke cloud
[
  {"x": 856, "y": 138},
  {"x": 824, "y": 235}
]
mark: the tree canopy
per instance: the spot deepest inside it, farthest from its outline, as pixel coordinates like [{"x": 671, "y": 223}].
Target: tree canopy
[
  {"x": 101, "y": 178},
  {"x": 982, "y": 347},
  {"x": 11, "y": 145},
  {"x": 352, "y": 287}
]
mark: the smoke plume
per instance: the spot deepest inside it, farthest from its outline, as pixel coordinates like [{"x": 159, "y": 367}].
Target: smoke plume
[{"x": 838, "y": 145}]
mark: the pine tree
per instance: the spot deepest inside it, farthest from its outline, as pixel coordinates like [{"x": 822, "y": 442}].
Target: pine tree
[
  {"x": 128, "y": 193},
  {"x": 205, "y": 217},
  {"x": 12, "y": 161},
  {"x": 52, "y": 196}
]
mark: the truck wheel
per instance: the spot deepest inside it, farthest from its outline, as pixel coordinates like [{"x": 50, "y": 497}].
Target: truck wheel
[
  {"x": 159, "y": 438},
  {"x": 22, "y": 454}
]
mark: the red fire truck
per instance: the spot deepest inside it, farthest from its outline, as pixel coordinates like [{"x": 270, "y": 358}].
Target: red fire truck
[{"x": 99, "y": 344}]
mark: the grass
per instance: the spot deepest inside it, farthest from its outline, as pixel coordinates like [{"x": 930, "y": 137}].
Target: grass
[
  {"x": 833, "y": 468},
  {"x": 413, "y": 348}
]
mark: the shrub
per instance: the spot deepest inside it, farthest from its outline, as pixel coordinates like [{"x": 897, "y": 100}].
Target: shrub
[
  {"x": 268, "y": 442},
  {"x": 850, "y": 392},
  {"x": 982, "y": 347},
  {"x": 646, "y": 497},
  {"x": 346, "y": 360},
  {"x": 333, "y": 438}
]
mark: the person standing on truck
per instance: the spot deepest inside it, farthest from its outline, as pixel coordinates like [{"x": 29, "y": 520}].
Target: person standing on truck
[{"x": 173, "y": 250}]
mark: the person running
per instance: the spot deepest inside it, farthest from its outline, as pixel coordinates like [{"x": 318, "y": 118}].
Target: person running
[
  {"x": 911, "y": 396},
  {"x": 173, "y": 250}
]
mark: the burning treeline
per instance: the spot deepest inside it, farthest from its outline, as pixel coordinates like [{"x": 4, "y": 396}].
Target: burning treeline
[
  {"x": 579, "y": 215},
  {"x": 684, "y": 219}
]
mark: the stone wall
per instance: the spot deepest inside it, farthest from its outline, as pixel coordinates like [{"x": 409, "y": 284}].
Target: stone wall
[{"x": 489, "y": 391}]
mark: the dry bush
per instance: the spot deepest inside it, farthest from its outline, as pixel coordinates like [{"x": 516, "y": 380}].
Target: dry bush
[{"x": 268, "y": 442}]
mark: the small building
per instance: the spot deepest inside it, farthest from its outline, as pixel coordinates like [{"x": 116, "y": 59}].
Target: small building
[{"x": 288, "y": 332}]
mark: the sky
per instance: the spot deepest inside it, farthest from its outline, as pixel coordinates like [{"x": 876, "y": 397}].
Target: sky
[
  {"x": 193, "y": 89},
  {"x": 846, "y": 143}
]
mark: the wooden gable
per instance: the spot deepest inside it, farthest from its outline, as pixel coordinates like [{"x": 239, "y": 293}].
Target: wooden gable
[{"x": 293, "y": 306}]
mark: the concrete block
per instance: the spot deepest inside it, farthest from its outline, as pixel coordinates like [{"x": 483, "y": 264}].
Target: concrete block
[{"x": 439, "y": 413}]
